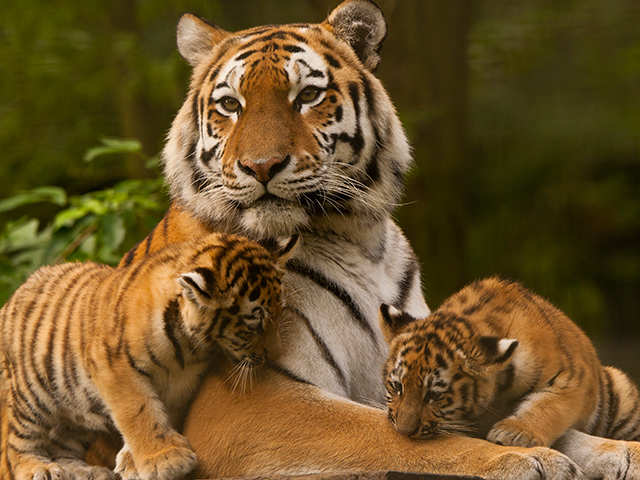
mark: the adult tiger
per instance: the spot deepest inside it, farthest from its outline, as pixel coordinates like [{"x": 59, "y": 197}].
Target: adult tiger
[{"x": 286, "y": 129}]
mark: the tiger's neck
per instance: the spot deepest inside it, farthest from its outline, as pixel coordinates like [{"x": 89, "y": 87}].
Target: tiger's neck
[{"x": 179, "y": 225}]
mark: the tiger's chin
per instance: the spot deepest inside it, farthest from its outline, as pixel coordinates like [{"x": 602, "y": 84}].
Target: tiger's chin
[{"x": 273, "y": 218}]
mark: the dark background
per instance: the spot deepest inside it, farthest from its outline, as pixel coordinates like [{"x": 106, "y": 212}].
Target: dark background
[{"x": 524, "y": 116}]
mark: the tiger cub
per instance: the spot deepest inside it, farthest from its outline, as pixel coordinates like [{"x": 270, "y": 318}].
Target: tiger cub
[
  {"x": 87, "y": 347},
  {"x": 496, "y": 358}
]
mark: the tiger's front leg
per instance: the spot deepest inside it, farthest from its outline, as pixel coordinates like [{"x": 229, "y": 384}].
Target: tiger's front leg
[{"x": 153, "y": 450}]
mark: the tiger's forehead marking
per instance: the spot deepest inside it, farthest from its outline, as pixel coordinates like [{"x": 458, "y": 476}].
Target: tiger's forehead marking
[{"x": 283, "y": 52}]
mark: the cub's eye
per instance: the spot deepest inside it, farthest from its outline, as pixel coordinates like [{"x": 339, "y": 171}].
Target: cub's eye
[
  {"x": 308, "y": 95},
  {"x": 395, "y": 387},
  {"x": 230, "y": 104}
]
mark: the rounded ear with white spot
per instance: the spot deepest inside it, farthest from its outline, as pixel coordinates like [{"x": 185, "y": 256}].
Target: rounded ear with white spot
[
  {"x": 196, "y": 38},
  {"x": 496, "y": 350},
  {"x": 194, "y": 288},
  {"x": 198, "y": 287},
  {"x": 392, "y": 321},
  {"x": 287, "y": 249},
  {"x": 361, "y": 24}
]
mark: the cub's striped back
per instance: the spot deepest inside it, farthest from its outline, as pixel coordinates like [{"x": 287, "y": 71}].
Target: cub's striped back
[
  {"x": 87, "y": 348},
  {"x": 496, "y": 350}
]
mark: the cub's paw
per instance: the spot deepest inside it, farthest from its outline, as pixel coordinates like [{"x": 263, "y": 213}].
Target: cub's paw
[
  {"x": 537, "y": 463},
  {"x": 173, "y": 460},
  {"x": 125, "y": 467},
  {"x": 78, "y": 470},
  {"x": 511, "y": 431},
  {"x": 44, "y": 471}
]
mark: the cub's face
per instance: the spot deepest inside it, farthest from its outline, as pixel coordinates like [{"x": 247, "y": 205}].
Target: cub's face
[
  {"x": 233, "y": 298},
  {"x": 285, "y": 123},
  {"x": 439, "y": 376}
]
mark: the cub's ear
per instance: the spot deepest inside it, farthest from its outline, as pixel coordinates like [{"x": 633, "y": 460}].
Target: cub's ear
[
  {"x": 496, "y": 350},
  {"x": 196, "y": 38},
  {"x": 392, "y": 321},
  {"x": 285, "y": 250},
  {"x": 199, "y": 287},
  {"x": 361, "y": 24}
]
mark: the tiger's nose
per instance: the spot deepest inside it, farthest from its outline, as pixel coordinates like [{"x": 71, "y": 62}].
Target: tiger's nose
[{"x": 264, "y": 170}]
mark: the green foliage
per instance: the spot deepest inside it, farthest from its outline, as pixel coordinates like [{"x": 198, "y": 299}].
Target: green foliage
[{"x": 93, "y": 226}]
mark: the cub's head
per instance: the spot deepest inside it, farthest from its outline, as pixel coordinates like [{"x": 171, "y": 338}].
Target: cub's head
[
  {"x": 231, "y": 297},
  {"x": 286, "y": 124},
  {"x": 440, "y": 376}
]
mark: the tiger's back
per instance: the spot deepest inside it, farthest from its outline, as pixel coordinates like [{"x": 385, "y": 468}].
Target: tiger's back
[{"x": 496, "y": 350}]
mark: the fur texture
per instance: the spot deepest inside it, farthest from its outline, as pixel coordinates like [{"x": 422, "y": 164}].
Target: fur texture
[
  {"x": 494, "y": 349},
  {"x": 90, "y": 348}
]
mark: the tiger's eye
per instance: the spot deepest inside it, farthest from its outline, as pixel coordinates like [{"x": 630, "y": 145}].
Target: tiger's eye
[
  {"x": 308, "y": 95},
  {"x": 230, "y": 104}
]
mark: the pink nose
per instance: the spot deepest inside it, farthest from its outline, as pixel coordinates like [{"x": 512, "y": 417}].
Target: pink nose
[{"x": 264, "y": 170}]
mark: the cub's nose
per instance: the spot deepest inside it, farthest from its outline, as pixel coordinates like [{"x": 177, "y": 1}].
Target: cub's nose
[{"x": 264, "y": 170}]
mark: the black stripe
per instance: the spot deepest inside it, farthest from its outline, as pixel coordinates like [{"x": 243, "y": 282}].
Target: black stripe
[
  {"x": 149, "y": 240},
  {"x": 332, "y": 60},
  {"x": 165, "y": 227},
  {"x": 613, "y": 402},
  {"x": 171, "y": 317},
  {"x": 322, "y": 346},
  {"x": 133, "y": 364},
  {"x": 128, "y": 258},
  {"x": 338, "y": 291},
  {"x": 287, "y": 373},
  {"x": 406, "y": 283},
  {"x": 620, "y": 426}
]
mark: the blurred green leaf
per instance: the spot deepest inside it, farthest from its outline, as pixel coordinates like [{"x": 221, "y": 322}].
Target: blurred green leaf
[
  {"x": 112, "y": 146},
  {"x": 55, "y": 195}
]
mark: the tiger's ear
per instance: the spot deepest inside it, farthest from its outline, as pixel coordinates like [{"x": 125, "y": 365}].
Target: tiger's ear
[
  {"x": 361, "y": 24},
  {"x": 496, "y": 350},
  {"x": 287, "y": 249},
  {"x": 392, "y": 321},
  {"x": 196, "y": 38}
]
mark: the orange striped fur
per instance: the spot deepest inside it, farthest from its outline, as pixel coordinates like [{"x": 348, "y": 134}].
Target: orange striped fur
[
  {"x": 492, "y": 350},
  {"x": 87, "y": 348}
]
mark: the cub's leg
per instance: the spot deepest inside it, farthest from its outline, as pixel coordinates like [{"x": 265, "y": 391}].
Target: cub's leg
[
  {"x": 69, "y": 445},
  {"x": 157, "y": 451},
  {"x": 539, "y": 420},
  {"x": 27, "y": 453}
]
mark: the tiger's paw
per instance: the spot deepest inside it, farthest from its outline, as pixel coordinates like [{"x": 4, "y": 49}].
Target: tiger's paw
[
  {"x": 173, "y": 460},
  {"x": 125, "y": 467},
  {"x": 602, "y": 458},
  {"x": 539, "y": 463},
  {"x": 511, "y": 431}
]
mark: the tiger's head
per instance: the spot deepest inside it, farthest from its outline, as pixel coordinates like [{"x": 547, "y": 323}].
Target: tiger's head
[
  {"x": 440, "y": 375},
  {"x": 231, "y": 297},
  {"x": 285, "y": 125}
]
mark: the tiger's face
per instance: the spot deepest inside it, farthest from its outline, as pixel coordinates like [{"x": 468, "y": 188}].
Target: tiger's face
[
  {"x": 285, "y": 124},
  {"x": 439, "y": 376},
  {"x": 233, "y": 299}
]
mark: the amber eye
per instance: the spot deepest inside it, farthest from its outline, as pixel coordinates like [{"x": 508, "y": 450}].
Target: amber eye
[
  {"x": 230, "y": 104},
  {"x": 308, "y": 95}
]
